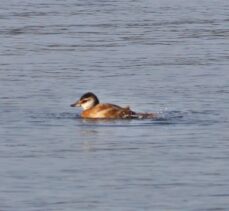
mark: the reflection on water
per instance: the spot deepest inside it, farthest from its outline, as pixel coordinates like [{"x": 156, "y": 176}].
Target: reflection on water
[{"x": 168, "y": 57}]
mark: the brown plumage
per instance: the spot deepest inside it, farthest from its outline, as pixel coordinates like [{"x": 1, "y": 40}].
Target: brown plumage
[
  {"x": 107, "y": 111},
  {"x": 93, "y": 109}
]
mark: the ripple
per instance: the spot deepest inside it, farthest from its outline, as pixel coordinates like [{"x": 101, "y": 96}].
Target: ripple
[{"x": 189, "y": 117}]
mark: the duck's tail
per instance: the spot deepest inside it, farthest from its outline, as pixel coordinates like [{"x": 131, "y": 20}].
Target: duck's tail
[
  {"x": 146, "y": 115},
  {"x": 129, "y": 114}
]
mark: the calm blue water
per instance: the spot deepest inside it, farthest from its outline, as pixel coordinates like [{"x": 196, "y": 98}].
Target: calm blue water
[{"x": 169, "y": 57}]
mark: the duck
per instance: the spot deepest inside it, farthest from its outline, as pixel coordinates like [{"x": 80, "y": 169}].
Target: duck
[{"x": 93, "y": 109}]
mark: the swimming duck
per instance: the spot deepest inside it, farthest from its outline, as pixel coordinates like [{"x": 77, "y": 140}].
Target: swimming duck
[{"x": 93, "y": 109}]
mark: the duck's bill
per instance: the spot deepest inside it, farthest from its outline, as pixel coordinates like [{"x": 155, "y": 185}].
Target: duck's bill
[{"x": 76, "y": 104}]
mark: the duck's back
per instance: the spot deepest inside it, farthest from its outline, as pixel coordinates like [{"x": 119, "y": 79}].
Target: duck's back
[{"x": 107, "y": 111}]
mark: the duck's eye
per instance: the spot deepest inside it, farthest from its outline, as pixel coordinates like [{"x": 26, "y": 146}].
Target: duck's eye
[{"x": 84, "y": 100}]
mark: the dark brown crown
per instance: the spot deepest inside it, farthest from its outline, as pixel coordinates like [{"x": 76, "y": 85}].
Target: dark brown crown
[{"x": 90, "y": 94}]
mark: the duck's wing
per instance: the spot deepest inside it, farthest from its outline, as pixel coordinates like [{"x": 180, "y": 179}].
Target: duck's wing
[
  {"x": 115, "y": 111},
  {"x": 108, "y": 111}
]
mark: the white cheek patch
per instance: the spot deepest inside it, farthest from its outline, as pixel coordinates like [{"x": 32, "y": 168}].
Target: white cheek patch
[{"x": 87, "y": 105}]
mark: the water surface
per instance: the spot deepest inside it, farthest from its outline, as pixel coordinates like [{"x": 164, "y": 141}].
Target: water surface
[{"x": 170, "y": 57}]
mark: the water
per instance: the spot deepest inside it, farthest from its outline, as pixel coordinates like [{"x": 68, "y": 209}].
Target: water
[{"x": 169, "y": 57}]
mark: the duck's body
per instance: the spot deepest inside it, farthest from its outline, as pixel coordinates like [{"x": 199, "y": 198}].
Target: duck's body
[
  {"x": 94, "y": 110},
  {"x": 107, "y": 111}
]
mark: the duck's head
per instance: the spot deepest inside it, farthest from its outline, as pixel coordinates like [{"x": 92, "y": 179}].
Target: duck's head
[{"x": 87, "y": 101}]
